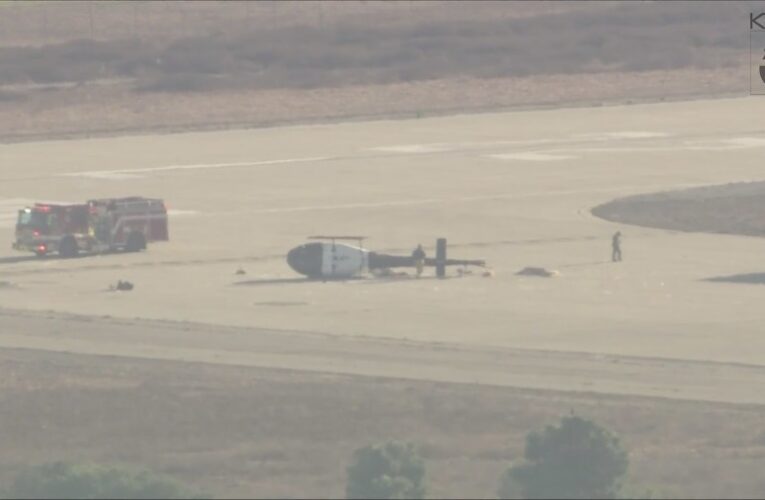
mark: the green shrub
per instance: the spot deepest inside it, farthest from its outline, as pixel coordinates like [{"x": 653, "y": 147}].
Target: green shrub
[
  {"x": 389, "y": 470},
  {"x": 576, "y": 459},
  {"x": 68, "y": 480}
]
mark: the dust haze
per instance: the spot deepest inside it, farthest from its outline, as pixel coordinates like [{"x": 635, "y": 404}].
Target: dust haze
[{"x": 381, "y": 250}]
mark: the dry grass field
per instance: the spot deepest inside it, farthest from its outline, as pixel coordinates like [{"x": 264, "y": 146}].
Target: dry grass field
[
  {"x": 92, "y": 68},
  {"x": 252, "y": 433}
]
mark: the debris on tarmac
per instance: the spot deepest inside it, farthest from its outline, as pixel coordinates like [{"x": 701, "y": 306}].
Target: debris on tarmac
[
  {"x": 122, "y": 286},
  {"x": 537, "y": 271}
]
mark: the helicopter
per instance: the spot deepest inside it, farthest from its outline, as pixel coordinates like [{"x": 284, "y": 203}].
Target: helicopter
[{"x": 330, "y": 260}]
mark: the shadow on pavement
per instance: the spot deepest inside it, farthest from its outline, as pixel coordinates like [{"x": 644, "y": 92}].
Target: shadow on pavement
[
  {"x": 748, "y": 278},
  {"x": 18, "y": 258},
  {"x": 274, "y": 281},
  {"x": 15, "y": 259}
]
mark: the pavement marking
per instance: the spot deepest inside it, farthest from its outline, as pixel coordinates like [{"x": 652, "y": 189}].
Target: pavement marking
[
  {"x": 122, "y": 174},
  {"x": 450, "y": 147},
  {"x": 345, "y": 206},
  {"x": 462, "y": 199},
  {"x": 441, "y": 147},
  {"x": 531, "y": 156},
  {"x": 746, "y": 142},
  {"x": 176, "y": 213},
  {"x": 437, "y": 147},
  {"x": 720, "y": 145},
  {"x": 560, "y": 153},
  {"x": 625, "y": 134},
  {"x": 111, "y": 176},
  {"x": 416, "y": 148}
]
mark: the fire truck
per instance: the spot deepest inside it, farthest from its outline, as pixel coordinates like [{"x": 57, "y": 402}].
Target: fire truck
[{"x": 98, "y": 226}]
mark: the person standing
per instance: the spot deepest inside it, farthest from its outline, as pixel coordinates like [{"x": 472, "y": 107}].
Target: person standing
[
  {"x": 616, "y": 247},
  {"x": 419, "y": 259}
]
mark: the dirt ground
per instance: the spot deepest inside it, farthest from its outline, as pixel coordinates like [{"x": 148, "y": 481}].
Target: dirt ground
[
  {"x": 98, "y": 110},
  {"x": 247, "y": 432}
]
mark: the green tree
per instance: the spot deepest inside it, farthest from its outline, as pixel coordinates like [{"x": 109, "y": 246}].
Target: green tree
[
  {"x": 67, "y": 480},
  {"x": 576, "y": 459},
  {"x": 387, "y": 470}
]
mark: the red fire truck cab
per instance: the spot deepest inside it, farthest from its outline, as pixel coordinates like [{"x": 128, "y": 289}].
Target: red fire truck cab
[{"x": 97, "y": 226}]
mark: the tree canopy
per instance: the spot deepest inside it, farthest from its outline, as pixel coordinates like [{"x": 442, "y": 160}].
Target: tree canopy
[
  {"x": 575, "y": 459},
  {"x": 58, "y": 480},
  {"x": 388, "y": 470}
]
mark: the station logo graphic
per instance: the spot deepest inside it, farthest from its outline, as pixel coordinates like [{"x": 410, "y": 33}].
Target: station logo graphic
[{"x": 757, "y": 53}]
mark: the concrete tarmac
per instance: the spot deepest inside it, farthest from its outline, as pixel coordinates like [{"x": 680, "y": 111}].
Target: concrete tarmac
[{"x": 514, "y": 189}]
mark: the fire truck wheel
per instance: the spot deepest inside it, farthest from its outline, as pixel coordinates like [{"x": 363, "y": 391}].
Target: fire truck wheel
[
  {"x": 135, "y": 242},
  {"x": 68, "y": 247}
]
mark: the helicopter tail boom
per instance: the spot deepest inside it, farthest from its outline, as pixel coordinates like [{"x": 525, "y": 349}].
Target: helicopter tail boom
[{"x": 381, "y": 261}]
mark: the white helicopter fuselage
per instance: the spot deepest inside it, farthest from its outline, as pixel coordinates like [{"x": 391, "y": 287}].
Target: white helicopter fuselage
[
  {"x": 329, "y": 260},
  {"x": 343, "y": 261}
]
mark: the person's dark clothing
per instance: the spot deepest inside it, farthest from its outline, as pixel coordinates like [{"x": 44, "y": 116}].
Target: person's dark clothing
[
  {"x": 616, "y": 247},
  {"x": 419, "y": 259}
]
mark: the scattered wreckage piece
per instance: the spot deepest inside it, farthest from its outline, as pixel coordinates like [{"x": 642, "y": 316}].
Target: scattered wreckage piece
[
  {"x": 537, "y": 271},
  {"x": 122, "y": 286}
]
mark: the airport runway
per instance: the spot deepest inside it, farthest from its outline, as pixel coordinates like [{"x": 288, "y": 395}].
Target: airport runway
[
  {"x": 387, "y": 358},
  {"x": 513, "y": 188}
]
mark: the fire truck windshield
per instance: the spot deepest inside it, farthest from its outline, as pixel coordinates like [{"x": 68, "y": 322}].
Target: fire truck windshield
[{"x": 33, "y": 219}]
